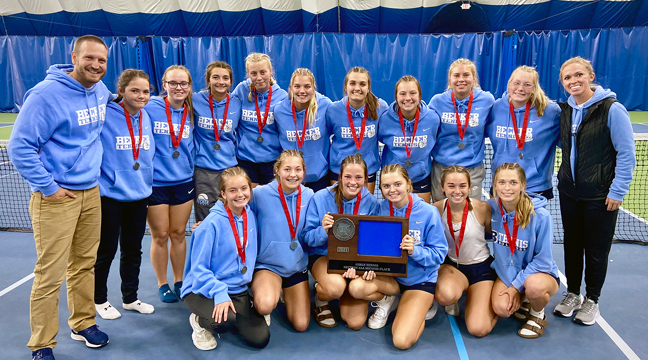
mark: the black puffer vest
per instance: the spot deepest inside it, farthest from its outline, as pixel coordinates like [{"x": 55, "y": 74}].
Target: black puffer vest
[{"x": 595, "y": 153}]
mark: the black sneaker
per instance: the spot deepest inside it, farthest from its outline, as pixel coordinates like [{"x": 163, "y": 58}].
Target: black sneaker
[
  {"x": 92, "y": 336},
  {"x": 43, "y": 354}
]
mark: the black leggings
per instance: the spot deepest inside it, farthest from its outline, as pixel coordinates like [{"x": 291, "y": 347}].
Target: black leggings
[
  {"x": 122, "y": 223},
  {"x": 247, "y": 321},
  {"x": 589, "y": 229}
]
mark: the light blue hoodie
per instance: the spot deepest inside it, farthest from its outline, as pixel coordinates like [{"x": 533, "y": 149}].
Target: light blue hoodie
[
  {"x": 430, "y": 245},
  {"x": 213, "y": 266},
  {"x": 343, "y": 144},
  {"x": 323, "y": 202},
  {"x": 118, "y": 179},
  {"x": 390, "y": 133},
  {"x": 204, "y": 137},
  {"x": 55, "y": 139},
  {"x": 446, "y": 150},
  {"x": 533, "y": 246},
  {"x": 316, "y": 143},
  {"x": 167, "y": 170},
  {"x": 622, "y": 139},
  {"x": 248, "y": 130},
  {"x": 274, "y": 240},
  {"x": 539, "y": 152}
]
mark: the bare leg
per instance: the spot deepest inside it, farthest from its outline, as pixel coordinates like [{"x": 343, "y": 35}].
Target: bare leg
[
  {"x": 480, "y": 317},
  {"x": 373, "y": 290},
  {"x": 353, "y": 311},
  {"x": 329, "y": 286},
  {"x": 266, "y": 287},
  {"x": 410, "y": 318},
  {"x": 158, "y": 221},
  {"x": 539, "y": 288},
  {"x": 500, "y": 302},
  {"x": 450, "y": 285},
  {"x": 297, "y": 299},
  {"x": 178, "y": 217}
]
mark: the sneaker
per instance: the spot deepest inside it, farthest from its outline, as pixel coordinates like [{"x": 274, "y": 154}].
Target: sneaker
[
  {"x": 588, "y": 313},
  {"x": 177, "y": 287},
  {"x": 166, "y": 295},
  {"x": 107, "y": 311},
  {"x": 139, "y": 306},
  {"x": 384, "y": 308},
  {"x": 202, "y": 338},
  {"x": 43, "y": 354},
  {"x": 92, "y": 336},
  {"x": 267, "y": 319},
  {"x": 569, "y": 304},
  {"x": 452, "y": 310},
  {"x": 433, "y": 310}
]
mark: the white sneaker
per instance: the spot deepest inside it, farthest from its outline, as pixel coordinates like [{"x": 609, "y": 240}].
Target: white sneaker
[
  {"x": 107, "y": 311},
  {"x": 433, "y": 310},
  {"x": 139, "y": 306},
  {"x": 202, "y": 338},
  {"x": 267, "y": 319},
  {"x": 384, "y": 308},
  {"x": 452, "y": 310}
]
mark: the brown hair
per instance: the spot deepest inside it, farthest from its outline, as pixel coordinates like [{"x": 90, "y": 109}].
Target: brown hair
[
  {"x": 524, "y": 208},
  {"x": 285, "y": 155},
  {"x": 407, "y": 78},
  {"x": 188, "y": 101},
  {"x": 351, "y": 159},
  {"x": 576, "y": 60},
  {"x": 218, "y": 65},
  {"x": 228, "y": 174},
  {"x": 257, "y": 57},
  {"x": 471, "y": 66},
  {"x": 457, "y": 169},
  {"x": 312, "y": 105},
  {"x": 87, "y": 38},
  {"x": 538, "y": 97},
  {"x": 126, "y": 77},
  {"x": 371, "y": 102},
  {"x": 398, "y": 169}
]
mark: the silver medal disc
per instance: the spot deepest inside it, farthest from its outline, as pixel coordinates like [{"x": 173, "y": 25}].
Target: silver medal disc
[
  {"x": 293, "y": 245},
  {"x": 176, "y": 154},
  {"x": 408, "y": 163},
  {"x": 243, "y": 270},
  {"x": 136, "y": 166},
  {"x": 216, "y": 146},
  {"x": 461, "y": 145},
  {"x": 260, "y": 139}
]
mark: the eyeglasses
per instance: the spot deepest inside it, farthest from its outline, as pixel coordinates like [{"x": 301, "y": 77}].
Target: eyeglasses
[
  {"x": 526, "y": 85},
  {"x": 173, "y": 84}
]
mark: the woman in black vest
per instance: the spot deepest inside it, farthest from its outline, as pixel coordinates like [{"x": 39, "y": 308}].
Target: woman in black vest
[{"x": 597, "y": 164}]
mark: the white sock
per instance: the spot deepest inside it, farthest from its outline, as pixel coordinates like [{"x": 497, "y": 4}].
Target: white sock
[
  {"x": 319, "y": 302},
  {"x": 538, "y": 314}
]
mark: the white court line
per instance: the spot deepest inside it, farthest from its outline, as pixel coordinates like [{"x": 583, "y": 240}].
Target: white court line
[
  {"x": 627, "y": 351},
  {"x": 635, "y": 216},
  {"x": 16, "y": 284},
  {"x": 13, "y": 173}
]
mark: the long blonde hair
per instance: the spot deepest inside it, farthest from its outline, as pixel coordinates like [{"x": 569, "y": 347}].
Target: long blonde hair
[
  {"x": 258, "y": 57},
  {"x": 188, "y": 101},
  {"x": 457, "y": 169},
  {"x": 228, "y": 174},
  {"x": 351, "y": 159},
  {"x": 312, "y": 105},
  {"x": 285, "y": 155},
  {"x": 524, "y": 208},
  {"x": 471, "y": 66},
  {"x": 371, "y": 102},
  {"x": 398, "y": 169},
  {"x": 538, "y": 97}
]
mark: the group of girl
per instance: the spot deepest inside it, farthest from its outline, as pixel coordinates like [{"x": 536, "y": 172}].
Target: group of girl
[{"x": 313, "y": 157}]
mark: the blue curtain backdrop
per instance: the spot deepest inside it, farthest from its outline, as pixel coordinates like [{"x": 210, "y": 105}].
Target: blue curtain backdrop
[{"x": 620, "y": 59}]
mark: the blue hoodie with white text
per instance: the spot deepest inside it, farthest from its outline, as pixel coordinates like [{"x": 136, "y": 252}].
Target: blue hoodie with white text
[{"x": 55, "y": 139}]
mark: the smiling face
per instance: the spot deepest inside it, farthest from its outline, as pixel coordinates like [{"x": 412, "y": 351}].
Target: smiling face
[
  {"x": 461, "y": 81},
  {"x": 90, "y": 63},
  {"x": 237, "y": 193},
  {"x": 520, "y": 88},
  {"x": 291, "y": 173},
  {"x": 577, "y": 81},
  {"x": 259, "y": 73},
  {"x": 177, "y": 85},
  {"x": 220, "y": 81},
  {"x": 352, "y": 179},
  {"x": 408, "y": 97},
  {"x": 395, "y": 188},
  {"x": 357, "y": 88},
  {"x": 508, "y": 187},
  {"x": 136, "y": 94},
  {"x": 456, "y": 188},
  {"x": 302, "y": 90}
]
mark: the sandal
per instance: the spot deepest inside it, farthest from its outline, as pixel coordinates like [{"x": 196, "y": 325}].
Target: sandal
[
  {"x": 535, "y": 325},
  {"x": 522, "y": 313},
  {"x": 322, "y": 315}
]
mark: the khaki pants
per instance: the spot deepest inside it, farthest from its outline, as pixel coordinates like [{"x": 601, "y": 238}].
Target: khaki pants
[{"x": 66, "y": 233}]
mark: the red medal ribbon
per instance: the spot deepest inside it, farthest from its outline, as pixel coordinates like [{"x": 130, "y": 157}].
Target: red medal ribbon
[
  {"x": 293, "y": 229},
  {"x": 214, "y": 121},
  {"x": 132, "y": 133},
  {"x": 408, "y": 150},
  {"x": 239, "y": 249},
  {"x": 300, "y": 143},
  {"x": 463, "y": 226},
  {"x": 409, "y": 207},
  {"x": 511, "y": 241},
  {"x": 267, "y": 110},
  {"x": 357, "y": 204},
  {"x": 175, "y": 140},
  {"x": 462, "y": 129},
  {"x": 358, "y": 143},
  {"x": 520, "y": 139}
]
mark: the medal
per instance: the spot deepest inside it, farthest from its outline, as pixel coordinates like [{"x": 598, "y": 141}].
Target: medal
[
  {"x": 519, "y": 139},
  {"x": 462, "y": 129},
  {"x": 265, "y": 115},
  {"x": 132, "y": 135},
  {"x": 176, "y": 154},
  {"x": 175, "y": 140},
  {"x": 408, "y": 149},
  {"x": 240, "y": 248},
  {"x": 284, "y": 204},
  {"x": 216, "y": 130},
  {"x": 300, "y": 142},
  {"x": 463, "y": 226},
  {"x": 521, "y": 156},
  {"x": 408, "y": 163},
  {"x": 511, "y": 239},
  {"x": 409, "y": 207},
  {"x": 358, "y": 143},
  {"x": 293, "y": 245},
  {"x": 356, "y": 207},
  {"x": 243, "y": 269}
]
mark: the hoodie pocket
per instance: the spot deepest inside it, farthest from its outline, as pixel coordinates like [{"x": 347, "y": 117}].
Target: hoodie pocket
[
  {"x": 279, "y": 254},
  {"x": 133, "y": 184},
  {"x": 314, "y": 165},
  {"x": 86, "y": 166}
]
